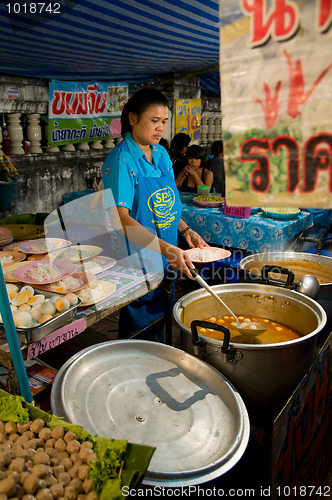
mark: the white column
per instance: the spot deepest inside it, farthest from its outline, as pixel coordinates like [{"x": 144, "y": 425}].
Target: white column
[
  {"x": 210, "y": 136},
  {"x": 109, "y": 143},
  {"x": 15, "y": 134},
  {"x": 96, "y": 145},
  {"x": 83, "y": 146},
  {"x": 1, "y": 152},
  {"x": 204, "y": 129},
  {"x": 217, "y": 129},
  {"x": 34, "y": 133},
  {"x": 68, "y": 147}
]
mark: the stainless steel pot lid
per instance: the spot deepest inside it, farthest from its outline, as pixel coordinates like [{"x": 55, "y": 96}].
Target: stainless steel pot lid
[{"x": 153, "y": 394}]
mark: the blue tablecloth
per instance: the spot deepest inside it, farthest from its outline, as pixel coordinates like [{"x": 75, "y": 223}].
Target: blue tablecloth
[{"x": 255, "y": 234}]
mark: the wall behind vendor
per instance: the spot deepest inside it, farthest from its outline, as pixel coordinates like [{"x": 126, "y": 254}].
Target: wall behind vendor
[{"x": 44, "y": 178}]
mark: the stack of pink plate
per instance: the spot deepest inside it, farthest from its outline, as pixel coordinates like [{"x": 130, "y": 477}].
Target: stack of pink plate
[{"x": 6, "y": 236}]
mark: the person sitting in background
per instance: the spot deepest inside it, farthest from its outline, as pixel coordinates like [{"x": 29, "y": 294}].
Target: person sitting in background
[
  {"x": 194, "y": 173},
  {"x": 164, "y": 142},
  {"x": 216, "y": 165},
  {"x": 179, "y": 146}
]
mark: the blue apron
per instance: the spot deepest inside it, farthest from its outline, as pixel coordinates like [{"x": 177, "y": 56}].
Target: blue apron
[{"x": 159, "y": 209}]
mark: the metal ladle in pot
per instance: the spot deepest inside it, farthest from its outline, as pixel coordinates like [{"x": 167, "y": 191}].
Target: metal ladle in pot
[
  {"x": 309, "y": 285},
  {"x": 249, "y": 329}
]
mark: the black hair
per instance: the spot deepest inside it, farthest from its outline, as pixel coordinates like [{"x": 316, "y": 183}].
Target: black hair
[
  {"x": 217, "y": 148},
  {"x": 139, "y": 103},
  {"x": 196, "y": 151},
  {"x": 164, "y": 142},
  {"x": 180, "y": 141}
]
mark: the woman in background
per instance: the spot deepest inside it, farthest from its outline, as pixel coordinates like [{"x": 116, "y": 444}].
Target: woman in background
[
  {"x": 179, "y": 146},
  {"x": 194, "y": 173}
]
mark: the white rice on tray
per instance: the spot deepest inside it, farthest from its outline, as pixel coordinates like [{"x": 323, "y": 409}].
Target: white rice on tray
[
  {"x": 92, "y": 266},
  {"x": 203, "y": 255},
  {"x": 68, "y": 283},
  {"x": 91, "y": 294},
  {"x": 6, "y": 259},
  {"x": 44, "y": 272}
]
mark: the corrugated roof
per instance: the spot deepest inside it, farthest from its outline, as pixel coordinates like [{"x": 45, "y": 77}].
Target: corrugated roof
[{"x": 112, "y": 40}]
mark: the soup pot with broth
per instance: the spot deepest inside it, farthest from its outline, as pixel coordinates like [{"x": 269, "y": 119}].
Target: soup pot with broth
[
  {"x": 264, "y": 373},
  {"x": 300, "y": 263}
]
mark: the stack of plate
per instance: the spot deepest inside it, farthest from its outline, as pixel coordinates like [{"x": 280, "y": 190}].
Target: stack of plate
[{"x": 6, "y": 236}]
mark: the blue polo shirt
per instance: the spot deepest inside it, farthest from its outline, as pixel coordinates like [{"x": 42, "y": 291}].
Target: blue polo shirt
[{"x": 120, "y": 169}]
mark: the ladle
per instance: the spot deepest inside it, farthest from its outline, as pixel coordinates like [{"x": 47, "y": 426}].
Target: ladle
[
  {"x": 251, "y": 328},
  {"x": 309, "y": 285}
]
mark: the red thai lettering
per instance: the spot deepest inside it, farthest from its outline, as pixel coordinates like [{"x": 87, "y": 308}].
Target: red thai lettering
[
  {"x": 297, "y": 95},
  {"x": 92, "y": 98},
  {"x": 293, "y": 159},
  {"x": 58, "y": 103},
  {"x": 271, "y": 105},
  {"x": 101, "y": 102},
  {"x": 280, "y": 22},
  {"x": 82, "y": 107},
  {"x": 324, "y": 14},
  {"x": 317, "y": 157},
  {"x": 96, "y": 100},
  {"x": 260, "y": 176},
  {"x": 71, "y": 106}
]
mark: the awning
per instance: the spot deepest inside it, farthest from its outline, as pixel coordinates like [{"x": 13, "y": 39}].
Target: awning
[{"x": 132, "y": 40}]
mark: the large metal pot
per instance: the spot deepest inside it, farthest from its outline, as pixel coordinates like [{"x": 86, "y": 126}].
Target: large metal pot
[
  {"x": 264, "y": 374},
  {"x": 300, "y": 264}
]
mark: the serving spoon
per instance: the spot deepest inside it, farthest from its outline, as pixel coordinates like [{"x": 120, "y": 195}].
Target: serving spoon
[{"x": 249, "y": 329}]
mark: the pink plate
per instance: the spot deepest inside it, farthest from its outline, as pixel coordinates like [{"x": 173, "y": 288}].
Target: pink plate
[
  {"x": 84, "y": 279},
  {"x": 211, "y": 254},
  {"x": 42, "y": 245},
  {"x": 23, "y": 273}
]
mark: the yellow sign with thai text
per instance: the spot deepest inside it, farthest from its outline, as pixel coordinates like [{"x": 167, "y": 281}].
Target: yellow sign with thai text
[{"x": 188, "y": 117}]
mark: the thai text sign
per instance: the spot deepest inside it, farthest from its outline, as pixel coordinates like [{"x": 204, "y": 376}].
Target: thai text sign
[
  {"x": 84, "y": 111},
  {"x": 276, "y": 84},
  {"x": 188, "y": 117}
]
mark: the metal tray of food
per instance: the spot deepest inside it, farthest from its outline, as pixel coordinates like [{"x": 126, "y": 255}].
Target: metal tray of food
[{"x": 27, "y": 335}]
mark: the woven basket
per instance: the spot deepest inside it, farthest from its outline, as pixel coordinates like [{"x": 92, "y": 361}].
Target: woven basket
[{"x": 6, "y": 194}]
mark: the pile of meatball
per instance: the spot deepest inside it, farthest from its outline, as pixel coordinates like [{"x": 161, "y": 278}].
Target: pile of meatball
[{"x": 37, "y": 463}]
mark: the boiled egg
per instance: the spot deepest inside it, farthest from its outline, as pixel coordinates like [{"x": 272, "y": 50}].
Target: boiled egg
[
  {"x": 62, "y": 304},
  {"x": 73, "y": 299},
  {"x": 36, "y": 299},
  {"x": 19, "y": 299},
  {"x": 45, "y": 317},
  {"x": 11, "y": 288},
  {"x": 21, "y": 318},
  {"x": 48, "y": 308},
  {"x": 24, "y": 307},
  {"x": 36, "y": 314},
  {"x": 27, "y": 290}
]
